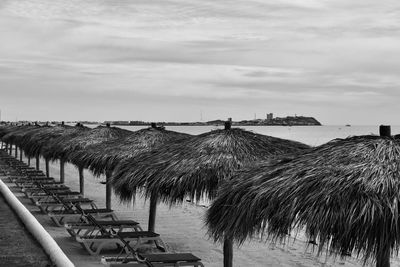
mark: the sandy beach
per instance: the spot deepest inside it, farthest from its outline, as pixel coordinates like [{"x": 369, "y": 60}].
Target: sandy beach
[{"x": 182, "y": 229}]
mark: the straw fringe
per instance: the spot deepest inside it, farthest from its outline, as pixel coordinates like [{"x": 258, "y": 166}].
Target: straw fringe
[
  {"x": 195, "y": 167},
  {"x": 345, "y": 194},
  {"x": 105, "y": 156}
]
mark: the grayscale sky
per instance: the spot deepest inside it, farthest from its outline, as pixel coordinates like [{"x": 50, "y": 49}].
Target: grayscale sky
[{"x": 170, "y": 60}]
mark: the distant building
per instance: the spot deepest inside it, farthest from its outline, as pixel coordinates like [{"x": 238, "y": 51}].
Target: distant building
[{"x": 270, "y": 116}]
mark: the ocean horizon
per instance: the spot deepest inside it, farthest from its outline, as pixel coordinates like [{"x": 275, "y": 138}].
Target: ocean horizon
[{"x": 310, "y": 135}]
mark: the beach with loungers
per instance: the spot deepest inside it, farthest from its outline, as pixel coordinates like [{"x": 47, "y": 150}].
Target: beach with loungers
[{"x": 94, "y": 226}]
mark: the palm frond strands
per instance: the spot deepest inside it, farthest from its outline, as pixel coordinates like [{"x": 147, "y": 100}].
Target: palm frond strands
[
  {"x": 35, "y": 140},
  {"x": 195, "y": 167},
  {"x": 50, "y": 151},
  {"x": 101, "y": 158},
  {"x": 345, "y": 194},
  {"x": 15, "y": 135},
  {"x": 69, "y": 144},
  {"x": 105, "y": 156}
]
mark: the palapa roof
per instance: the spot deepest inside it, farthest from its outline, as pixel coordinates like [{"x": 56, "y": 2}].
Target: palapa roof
[
  {"x": 33, "y": 141},
  {"x": 16, "y": 134},
  {"x": 87, "y": 138},
  {"x": 53, "y": 150},
  {"x": 105, "y": 156},
  {"x": 345, "y": 193},
  {"x": 194, "y": 167},
  {"x": 7, "y": 129}
]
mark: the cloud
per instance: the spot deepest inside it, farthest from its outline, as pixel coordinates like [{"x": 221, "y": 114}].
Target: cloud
[{"x": 184, "y": 56}]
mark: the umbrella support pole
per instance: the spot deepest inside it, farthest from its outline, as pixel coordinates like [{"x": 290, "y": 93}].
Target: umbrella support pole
[
  {"x": 16, "y": 152},
  {"x": 47, "y": 168},
  {"x": 152, "y": 213},
  {"x": 108, "y": 190},
  {"x": 228, "y": 253},
  {"x": 20, "y": 154},
  {"x": 81, "y": 181},
  {"x": 29, "y": 161},
  {"x": 37, "y": 162},
  {"x": 62, "y": 171},
  {"x": 10, "y": 149},
  {"x": 383, "y": 260}
]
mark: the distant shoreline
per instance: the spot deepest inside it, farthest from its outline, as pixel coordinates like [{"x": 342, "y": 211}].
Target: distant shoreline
[{"x": 286, "y": 121}]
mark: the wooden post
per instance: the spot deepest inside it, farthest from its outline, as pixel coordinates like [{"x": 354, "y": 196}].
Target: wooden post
[
  {"x": 81, "y": 181},
  {"x": 20, "y": 154},
  {"x": 37, "y": 162},
  {"x": 228, "y": 252},
  {"x": 384, "y": 130},
  {"x": 29, "y": 161},
  {"x": 108, "y": 190},
  {"x": 10, "y": 149},
  {"x": 16, "y": 151},
  {"x": 62, "y": 171},
  {"x": 47, "y": 168},
  {"x": 152, "y": 212},
  {"x": 383, "y": 258},
  {"x": 228, "y": 124}
]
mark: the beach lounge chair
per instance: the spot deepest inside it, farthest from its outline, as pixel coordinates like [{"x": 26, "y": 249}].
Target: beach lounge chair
[
  {"x": 33, "y": 185},
  {"x": 29, "y": 182},
  {"x": 57, "y": 205},
  {"x": 87, "y": 228},
  {"x": 61, "y": 217},
  {"x": 106, "y": 237},
  {"x": 154, "y": 260},
  {"x": 40, "y": 196},
  {"x": 94, "y": 244},
  {"x": 65, "y": 207},
  {"x": 29, "y": 191}
]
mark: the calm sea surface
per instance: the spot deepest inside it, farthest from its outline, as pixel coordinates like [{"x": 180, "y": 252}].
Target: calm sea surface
[{"x": 311, "y": 135}]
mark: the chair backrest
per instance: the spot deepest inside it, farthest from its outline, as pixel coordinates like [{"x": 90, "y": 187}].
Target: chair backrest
[{"x": 112, "y": 232}]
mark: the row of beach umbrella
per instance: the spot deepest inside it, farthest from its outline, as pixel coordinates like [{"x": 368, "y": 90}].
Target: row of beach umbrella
[{"x": 344, "y": 193}]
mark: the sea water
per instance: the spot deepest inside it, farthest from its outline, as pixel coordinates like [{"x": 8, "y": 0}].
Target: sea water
[{"x": 310, "y": 135}]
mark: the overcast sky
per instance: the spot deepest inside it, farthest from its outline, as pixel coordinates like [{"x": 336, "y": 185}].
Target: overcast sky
[{"x": 165, "y": 60}]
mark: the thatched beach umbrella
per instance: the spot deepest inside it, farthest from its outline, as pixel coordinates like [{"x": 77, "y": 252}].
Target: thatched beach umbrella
[
  {"x": 52, "y": 150},
  {"x": 102, "y": 158},
  {"x": 195, "y": 167},
  {"x": 35, "y": 140},
  {"x": 5, "y": 130},
  {"x": 85, "y": 139},
  {"x": 16, "y": 135},
  {"x": 345, "y": 194}
]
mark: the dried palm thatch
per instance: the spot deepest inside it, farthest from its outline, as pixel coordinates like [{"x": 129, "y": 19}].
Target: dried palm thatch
[
  {"x": 105, "y": 156},
  {"x": 53, "y": 149},
  {"x": 344, "y": 193},
  {"x": 7, "y": 129},
  {"x": 87, "y": 138},
  {"x": 33, "y": 141},
  {"x": 15, "y": 136},
  {"x": 194, "y": 167}
]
